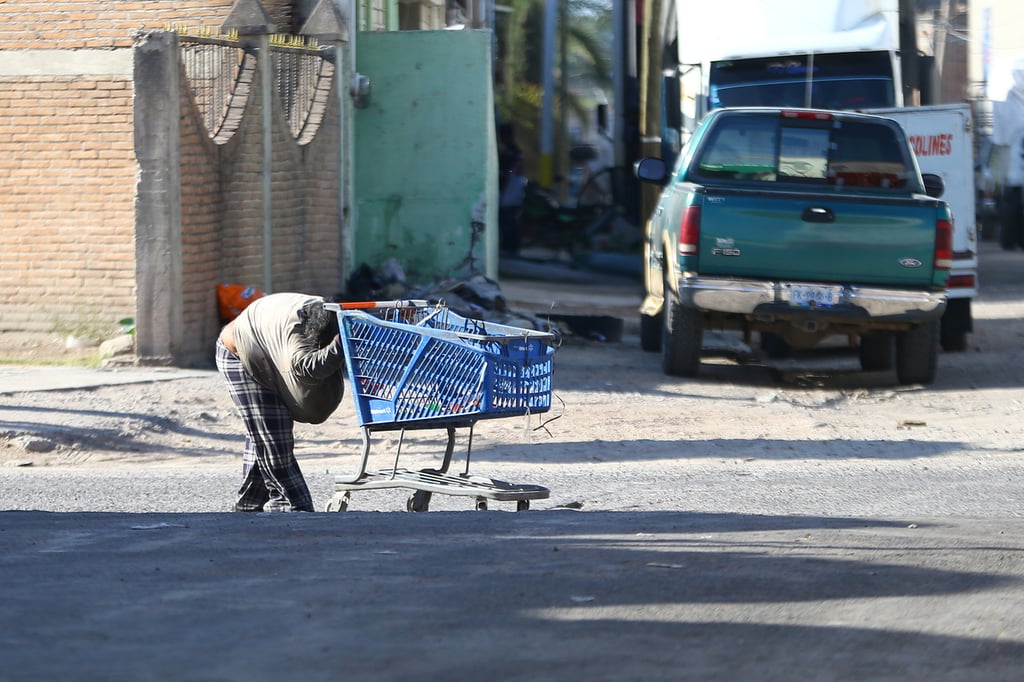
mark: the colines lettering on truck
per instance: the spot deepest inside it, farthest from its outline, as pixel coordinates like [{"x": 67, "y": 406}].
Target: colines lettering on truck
[
  {"x": 797, "y": 226},
  {"x": 932, "y": 145}
]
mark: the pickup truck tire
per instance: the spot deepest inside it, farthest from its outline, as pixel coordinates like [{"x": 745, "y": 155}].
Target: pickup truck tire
[
  {"x": 877, "y": 352},
  {"x": 682, "y": 341},
  {"x": 651, "y": 332},
  {"x": 917, "y": 354}
]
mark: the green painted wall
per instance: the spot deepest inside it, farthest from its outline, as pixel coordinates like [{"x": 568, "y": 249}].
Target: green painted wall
[{"x": 425, "y": 154}]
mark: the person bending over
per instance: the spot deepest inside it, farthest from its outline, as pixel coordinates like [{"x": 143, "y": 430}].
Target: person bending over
[{"x": 283, "y": 362}]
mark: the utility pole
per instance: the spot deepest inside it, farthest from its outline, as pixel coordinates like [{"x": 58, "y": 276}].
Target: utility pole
[
  {"x": 939, "y": 35},
  {"x": 650, "y": 96},
  {"x": 910, "y": 69},
  {"x": 547, "y": 117},
  {"x": 562, "y": 141},
  {"x": 619, "y": 80}
]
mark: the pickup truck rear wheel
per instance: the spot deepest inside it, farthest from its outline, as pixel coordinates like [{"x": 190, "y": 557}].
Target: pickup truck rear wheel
[
  {"x": 917, "y": 354},
  {"x": 650, "y": 332},
  {"x": 681, "y": 345}
]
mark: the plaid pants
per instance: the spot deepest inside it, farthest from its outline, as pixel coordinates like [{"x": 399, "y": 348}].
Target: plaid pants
[{"x": 271, "y": 478}]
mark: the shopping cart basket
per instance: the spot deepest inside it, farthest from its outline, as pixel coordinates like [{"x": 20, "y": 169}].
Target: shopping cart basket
[{"x": 413, "y": 365}]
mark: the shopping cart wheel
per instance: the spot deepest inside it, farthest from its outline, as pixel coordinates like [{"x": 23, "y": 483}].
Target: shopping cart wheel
[
  {"x": 339, "y": 503},
  {"x": 522, "y": 505},
  {"x": 419, "y": 501},
  {"x": 481, "y": 504}
]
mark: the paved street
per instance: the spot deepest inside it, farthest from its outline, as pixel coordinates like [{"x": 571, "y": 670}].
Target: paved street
[{"x": 556, "y": 595}]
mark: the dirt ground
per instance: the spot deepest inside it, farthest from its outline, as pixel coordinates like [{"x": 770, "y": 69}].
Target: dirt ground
[
  {"x": 616, "y": 418},
  {"x": 771, "y": 521}
]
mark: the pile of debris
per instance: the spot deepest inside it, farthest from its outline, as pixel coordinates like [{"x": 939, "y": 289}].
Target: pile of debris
[{"x": 476, "y": 296}]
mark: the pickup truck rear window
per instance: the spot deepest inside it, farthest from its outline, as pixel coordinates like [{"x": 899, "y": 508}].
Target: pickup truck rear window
[{"x": 832, "y": 153}]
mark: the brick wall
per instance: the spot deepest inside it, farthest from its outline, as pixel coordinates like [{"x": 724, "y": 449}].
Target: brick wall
[
  {"x": 104, "y": 24},
  {"x": 222, "y": 212},
  {"x": 69, "y": 179},
  {"x": 202, "y": 218},
  {"x": 66, "y": 210},
  {"x": 305, "y": 239}
]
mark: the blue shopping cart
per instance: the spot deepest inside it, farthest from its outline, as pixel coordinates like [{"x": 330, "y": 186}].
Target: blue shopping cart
[{"x": 416, "y": 365}]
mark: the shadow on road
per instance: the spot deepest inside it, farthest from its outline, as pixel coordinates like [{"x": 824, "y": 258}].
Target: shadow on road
[{"x": 535, "y": 595}]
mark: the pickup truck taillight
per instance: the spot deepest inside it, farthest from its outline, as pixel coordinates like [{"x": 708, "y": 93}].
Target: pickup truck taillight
[
  {"x": 943, "y": 244},
  {"x": 689, "y": 231}
]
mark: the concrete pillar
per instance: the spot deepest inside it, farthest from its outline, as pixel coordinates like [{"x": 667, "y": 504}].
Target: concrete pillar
[{"x": 158, "y": 255}]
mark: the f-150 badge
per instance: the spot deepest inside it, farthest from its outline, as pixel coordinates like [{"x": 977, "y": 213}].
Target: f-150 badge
[{"x": 724, "y": 247}]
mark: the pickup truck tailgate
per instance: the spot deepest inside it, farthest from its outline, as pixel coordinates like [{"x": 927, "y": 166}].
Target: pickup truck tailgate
[{"x": 876, "y": 240}]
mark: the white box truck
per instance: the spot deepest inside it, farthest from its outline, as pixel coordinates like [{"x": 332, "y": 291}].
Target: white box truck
[
  {"x": 827, "y": 54},
  {"x": 942, "y": 138}
]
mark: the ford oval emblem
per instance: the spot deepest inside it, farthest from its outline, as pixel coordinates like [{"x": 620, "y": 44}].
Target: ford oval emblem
[{"x": 910, "y": 262}]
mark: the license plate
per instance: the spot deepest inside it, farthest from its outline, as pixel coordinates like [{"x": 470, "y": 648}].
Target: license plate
[{"x": 811, "y": 295}]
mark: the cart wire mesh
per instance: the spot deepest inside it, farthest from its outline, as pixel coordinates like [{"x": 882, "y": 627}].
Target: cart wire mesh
[{"x": 410, "y": 362}]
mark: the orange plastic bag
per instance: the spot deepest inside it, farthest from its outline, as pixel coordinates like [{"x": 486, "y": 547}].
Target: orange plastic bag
[{"x": 232, "y": 299}]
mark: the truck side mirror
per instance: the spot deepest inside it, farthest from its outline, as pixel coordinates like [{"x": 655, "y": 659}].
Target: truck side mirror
[
  {"x": 651, "y": 170},
  {"x": 934, "y": 186}
]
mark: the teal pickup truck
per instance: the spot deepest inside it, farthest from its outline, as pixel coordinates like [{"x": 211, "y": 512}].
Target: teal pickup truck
[{"x": 797, "y": 225}]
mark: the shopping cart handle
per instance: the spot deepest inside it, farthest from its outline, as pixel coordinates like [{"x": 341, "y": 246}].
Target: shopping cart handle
[{"x": 369, "y": 305}]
